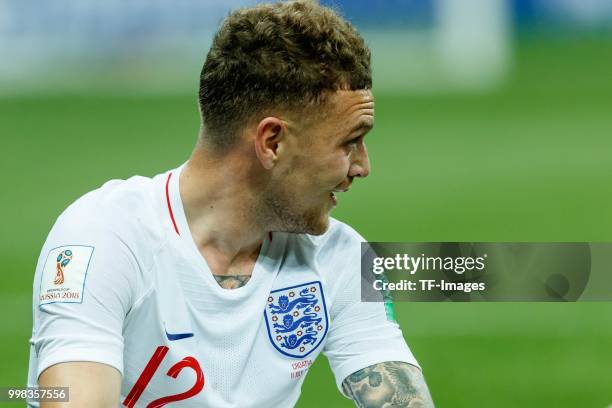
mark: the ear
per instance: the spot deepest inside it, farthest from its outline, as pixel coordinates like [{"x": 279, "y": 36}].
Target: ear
[{"x": 270, "y": 131}]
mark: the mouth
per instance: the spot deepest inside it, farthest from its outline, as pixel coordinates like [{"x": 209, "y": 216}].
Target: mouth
[{"x": 333, "y": 198}]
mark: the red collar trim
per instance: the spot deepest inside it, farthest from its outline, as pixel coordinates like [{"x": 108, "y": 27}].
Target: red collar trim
[
  {"x": 170, "y": 206},
  {"x": 172, "y": 214}
]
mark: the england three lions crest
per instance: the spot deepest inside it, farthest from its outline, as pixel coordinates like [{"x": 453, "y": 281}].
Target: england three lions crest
[{"x": 296, "y": 319}]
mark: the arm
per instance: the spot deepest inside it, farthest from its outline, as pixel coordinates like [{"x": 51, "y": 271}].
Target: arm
[
  {"x": 93, "y": 385},
  {"x": 389, "y": 384}
]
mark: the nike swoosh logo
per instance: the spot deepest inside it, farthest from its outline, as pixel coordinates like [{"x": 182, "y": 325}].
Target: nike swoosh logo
[{"x": 177, "y": 336}]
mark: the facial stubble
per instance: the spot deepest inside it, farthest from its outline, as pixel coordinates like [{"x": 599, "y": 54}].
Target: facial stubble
[{"x": 287, "y": 216}]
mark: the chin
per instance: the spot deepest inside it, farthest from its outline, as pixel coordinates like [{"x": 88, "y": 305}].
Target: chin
[
  {"x": 320, "y": 227},
  {"x": 312, "y": 224},
  {"x": 313, "y": 221}
]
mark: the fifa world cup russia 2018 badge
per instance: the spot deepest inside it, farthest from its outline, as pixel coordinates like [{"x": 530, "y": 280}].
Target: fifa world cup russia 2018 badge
[
  {"x": 64, "y": 273},
  {"x": 296, "y": 319}
]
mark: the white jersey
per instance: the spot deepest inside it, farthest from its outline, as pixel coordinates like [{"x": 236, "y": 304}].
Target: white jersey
[{"x": 120, "y": 281}]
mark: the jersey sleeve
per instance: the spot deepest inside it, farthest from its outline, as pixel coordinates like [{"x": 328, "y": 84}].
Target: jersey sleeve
[
  {"x": 361, "y": 333},
  {"x": 84, "y": 286}
]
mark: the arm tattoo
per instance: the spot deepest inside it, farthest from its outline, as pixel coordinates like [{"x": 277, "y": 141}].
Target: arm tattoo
[
  {"x": 389, "y": 384},
  {"x": 232, "y": 281}
]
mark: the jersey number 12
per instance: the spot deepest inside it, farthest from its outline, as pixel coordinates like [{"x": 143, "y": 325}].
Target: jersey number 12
[{"x": 151, "y": 368}]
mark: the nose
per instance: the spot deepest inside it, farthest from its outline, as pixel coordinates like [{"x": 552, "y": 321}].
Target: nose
[{"x": 360, "y": 166}]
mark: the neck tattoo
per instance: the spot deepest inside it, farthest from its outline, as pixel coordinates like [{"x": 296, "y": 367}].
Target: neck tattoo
[{"x": 232, "y": 281}]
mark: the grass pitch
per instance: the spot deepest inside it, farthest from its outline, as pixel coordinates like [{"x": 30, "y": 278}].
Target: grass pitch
[{"x": 529, "y": 162}]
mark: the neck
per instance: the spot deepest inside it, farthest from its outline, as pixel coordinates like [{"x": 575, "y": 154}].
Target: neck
[{"x": 221, "y": 209}]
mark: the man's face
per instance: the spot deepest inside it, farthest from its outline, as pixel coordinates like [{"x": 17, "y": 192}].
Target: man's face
[{"x": 320, "y": 158}]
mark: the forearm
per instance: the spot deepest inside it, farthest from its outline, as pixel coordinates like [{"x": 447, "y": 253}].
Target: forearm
[
  {"x": 388, "y": 384},
  {"x": 90, "y": 384}
]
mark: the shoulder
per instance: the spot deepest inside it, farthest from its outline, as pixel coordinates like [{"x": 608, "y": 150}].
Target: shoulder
[
  {"x": 337, "y": 235},
  {"x": 336, "y": 251},
  {"x": 120, "y": 211},
  {"x": 339, "y": 240},
  {"x": 117, "y": 204}
]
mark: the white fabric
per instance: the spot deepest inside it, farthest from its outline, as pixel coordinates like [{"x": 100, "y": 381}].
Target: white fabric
[{"x": 144, "y": 280}]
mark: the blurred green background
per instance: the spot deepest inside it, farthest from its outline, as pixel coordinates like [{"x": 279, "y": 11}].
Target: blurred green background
[{"x": 528, "y": 161}]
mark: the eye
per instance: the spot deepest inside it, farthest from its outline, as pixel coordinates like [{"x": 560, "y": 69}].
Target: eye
[{"x": 354, "y": 141}]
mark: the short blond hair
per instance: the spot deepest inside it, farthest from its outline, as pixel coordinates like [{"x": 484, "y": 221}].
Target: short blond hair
[{"x": 283, "y": 55}]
